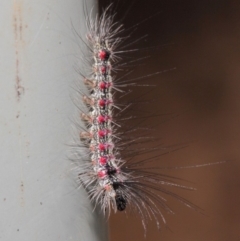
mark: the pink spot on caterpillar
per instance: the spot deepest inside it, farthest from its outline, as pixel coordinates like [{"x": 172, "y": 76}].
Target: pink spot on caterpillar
[
  {"x": 104, "y": 85},
  {"x": 103, "y": 160},
  {"x": 103, "y": 54},
  {"x": 103, "y": 118},
  {"x": 103, "y": 69},
  {"x": 103, "y": 103},
  {"x": 103, "y": 133},
  {"x": 102, "y": 173},
  {"x": 104, "y": 146}
]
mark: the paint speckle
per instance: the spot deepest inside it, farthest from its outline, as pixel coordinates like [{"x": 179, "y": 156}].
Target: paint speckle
[
  {"x": 19, "y": 43},
  {"x": 22, "y": 194}
]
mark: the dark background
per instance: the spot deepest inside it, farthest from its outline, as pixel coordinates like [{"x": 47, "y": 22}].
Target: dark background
[{"x": 201, "y": 103}]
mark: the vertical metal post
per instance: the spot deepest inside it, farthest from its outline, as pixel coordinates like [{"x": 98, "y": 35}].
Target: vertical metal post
[{"x": 38, "y": 197}]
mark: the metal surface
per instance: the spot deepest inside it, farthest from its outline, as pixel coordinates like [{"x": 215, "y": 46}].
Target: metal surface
[{"x": 39, "y": 198}]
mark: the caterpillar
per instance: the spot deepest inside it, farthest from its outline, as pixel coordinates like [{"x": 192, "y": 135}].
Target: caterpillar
[{"x": 115, "y": 172}]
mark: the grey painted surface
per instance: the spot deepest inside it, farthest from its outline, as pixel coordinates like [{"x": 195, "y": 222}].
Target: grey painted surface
[{"x": 39, "y": 199}]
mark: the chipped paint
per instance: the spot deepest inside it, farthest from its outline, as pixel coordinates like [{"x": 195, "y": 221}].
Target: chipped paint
[{"x": 19, "y": 43}]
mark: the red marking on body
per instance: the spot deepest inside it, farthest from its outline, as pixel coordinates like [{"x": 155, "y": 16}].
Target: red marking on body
[
  {"x": 102, "y": 173},
  {"x": 104, "y": 85},
  {"x": 103, "y": 118},
  {"x": 103, "y": 103},
  {"x": 103, "y": 69},
  {"x": 103, "y": 54},
  {"x": 103, "y": 133},
  {"x": 103, "y": 160},
  {"x": 105, "y": 146},
  {"x": 102, "y": 147}
]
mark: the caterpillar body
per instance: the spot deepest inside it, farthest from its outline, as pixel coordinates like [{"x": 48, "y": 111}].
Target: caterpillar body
[
  {"x": 114, "y": 182},
  {"x": 105, "y": 162}
]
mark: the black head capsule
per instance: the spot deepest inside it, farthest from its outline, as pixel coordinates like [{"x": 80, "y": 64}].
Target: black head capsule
[
  {"x": 121, "y": 202},
  {"x": 120, "y": 199}
]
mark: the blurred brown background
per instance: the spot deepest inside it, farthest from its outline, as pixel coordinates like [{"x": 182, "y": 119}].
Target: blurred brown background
[{"x": 201, "y": 100}]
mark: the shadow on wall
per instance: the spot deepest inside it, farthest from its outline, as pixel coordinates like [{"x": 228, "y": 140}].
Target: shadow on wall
[{"x": 202, "y": 40}]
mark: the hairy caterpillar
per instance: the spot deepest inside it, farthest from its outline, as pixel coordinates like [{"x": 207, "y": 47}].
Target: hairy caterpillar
[{"x": 116, "y": 172}]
